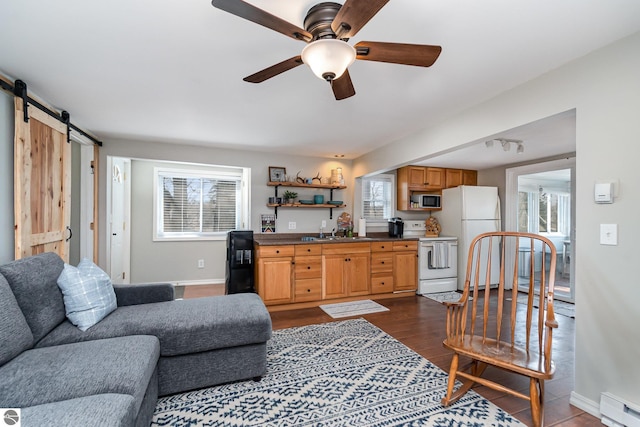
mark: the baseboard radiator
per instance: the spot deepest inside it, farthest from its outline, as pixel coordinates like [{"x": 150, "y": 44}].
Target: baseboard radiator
[{"x": 616, "y": 412}]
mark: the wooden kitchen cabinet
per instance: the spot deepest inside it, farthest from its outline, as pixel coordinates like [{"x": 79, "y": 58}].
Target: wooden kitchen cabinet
[
  {"x": 381, "y": 267},
  {"x": 405, "y": 266},
  {"x": 345, "y": 270},
  {"x": 420, "y": 178},
  {"x": 423, "y": 179},
  {"x": 307, "y": 273},
  {"x": 469, "y": 177},
  {"x": 456, "y": 177},
  {"x": 275, "y": 273}
]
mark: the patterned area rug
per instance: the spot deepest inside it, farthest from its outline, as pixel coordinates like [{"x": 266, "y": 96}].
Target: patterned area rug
[
  {"x": 559, "y": 307},
  {"x": 354, "y": 308},
  {"x": 347, "y": 373},
  {"x": 443, "y": 296}
]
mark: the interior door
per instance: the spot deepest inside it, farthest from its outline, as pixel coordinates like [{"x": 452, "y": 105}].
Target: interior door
[
  {"x": 42, "y": 184},
  {"x": 119, "y": 220}
]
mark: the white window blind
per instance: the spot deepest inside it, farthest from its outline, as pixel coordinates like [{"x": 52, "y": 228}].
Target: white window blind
[
  {"x": 198, "y": 204},
  {"x": 377, "y": 197}
]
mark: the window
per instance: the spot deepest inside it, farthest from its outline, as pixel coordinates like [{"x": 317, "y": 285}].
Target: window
[
  {"x": 200, "y": 204},
  {"x": 377, "y": 198},
  {"x": 541, "y": 212}
]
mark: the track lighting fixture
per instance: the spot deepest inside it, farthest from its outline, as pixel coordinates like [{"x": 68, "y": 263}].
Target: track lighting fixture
[{"x": 506, "y": 144}]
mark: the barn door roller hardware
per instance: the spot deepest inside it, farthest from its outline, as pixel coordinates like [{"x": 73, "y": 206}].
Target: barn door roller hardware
[{"x": 19, "y": 89}]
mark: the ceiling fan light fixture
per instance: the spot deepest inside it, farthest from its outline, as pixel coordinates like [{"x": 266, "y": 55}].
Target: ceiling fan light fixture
[{"x": 328, "y": 58}]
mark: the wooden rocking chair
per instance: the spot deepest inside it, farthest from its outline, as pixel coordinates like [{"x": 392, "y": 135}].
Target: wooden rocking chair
[{"x": 502, "y": 333}]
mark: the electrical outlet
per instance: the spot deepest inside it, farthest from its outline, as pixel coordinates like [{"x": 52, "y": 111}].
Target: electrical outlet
[
  {"x": 324, "y": 223},
  {"x": 200, "y": 263},
  {"x": 292, "y": 225}
]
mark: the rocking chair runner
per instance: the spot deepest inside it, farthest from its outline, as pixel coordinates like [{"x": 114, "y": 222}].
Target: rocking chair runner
[{"x": 499, "y": 332}]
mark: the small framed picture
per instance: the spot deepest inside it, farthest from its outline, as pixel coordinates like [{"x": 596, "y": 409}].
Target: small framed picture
[{"x": 276, "y": 174}]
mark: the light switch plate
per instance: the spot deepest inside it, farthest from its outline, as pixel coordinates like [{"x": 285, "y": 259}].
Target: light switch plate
[
  {"x": 292, "y": 225},
  {"x": 608, "y": 234}
]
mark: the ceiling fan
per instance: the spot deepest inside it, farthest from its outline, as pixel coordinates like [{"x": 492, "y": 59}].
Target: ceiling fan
[{"x": 328, "y": 27}]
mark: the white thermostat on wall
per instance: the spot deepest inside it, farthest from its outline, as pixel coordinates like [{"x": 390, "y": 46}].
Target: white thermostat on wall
[{"x": 603, "y": 192}]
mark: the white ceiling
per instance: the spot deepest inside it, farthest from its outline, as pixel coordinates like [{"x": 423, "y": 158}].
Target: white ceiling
[{"x": 172, "y": 70}]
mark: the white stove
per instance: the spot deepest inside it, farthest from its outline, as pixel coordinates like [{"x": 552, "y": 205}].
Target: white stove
[{"x": 437, "y": 259}]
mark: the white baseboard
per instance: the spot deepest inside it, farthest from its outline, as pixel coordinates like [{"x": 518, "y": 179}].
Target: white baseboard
[
  {"x": 199, "y": 282},
  {"x": 587, "y": 405}
]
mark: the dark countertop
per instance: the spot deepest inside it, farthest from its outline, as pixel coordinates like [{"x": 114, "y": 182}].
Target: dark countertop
[{"x": 268, "y": 239}]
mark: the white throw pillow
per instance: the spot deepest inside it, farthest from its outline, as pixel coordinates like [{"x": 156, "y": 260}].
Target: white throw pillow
[{"x": 88, "y": 293}]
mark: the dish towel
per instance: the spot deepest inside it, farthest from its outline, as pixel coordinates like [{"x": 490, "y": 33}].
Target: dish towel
[{"x": 440, "y": 255}]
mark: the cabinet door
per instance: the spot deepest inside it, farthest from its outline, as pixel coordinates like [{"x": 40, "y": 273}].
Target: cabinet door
[
  {"x": 405, "y": 271},
  {"x": 416, "y": 177},
  {"x": 453, "y": 178},
  {"x": 434, "y": 178},
  {"x": 333, "y": 284},
  {"x": 357, "y": 274},
  {"x": 275, "y": 280},
  {"x": 469, "y": 177}
]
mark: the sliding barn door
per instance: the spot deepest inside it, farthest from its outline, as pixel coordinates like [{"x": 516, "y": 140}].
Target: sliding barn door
[{"x": 42, "y": 181}]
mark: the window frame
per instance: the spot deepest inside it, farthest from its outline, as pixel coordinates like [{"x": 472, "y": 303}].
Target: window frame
[
  {"x": 387, "y": 177},
  {"x": 240, "y": 174},
  {"x": 563, "y": 219}
]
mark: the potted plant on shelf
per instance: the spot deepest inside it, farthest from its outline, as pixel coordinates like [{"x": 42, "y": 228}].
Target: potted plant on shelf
[{"x": 289, "y": 197}]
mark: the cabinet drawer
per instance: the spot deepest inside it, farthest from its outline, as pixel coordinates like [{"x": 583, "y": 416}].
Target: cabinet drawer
[
  {"x": 308, "y": 290},
  {"x": 275, "y": 251},
  {"x": 303, "y": 250},
  {"x": 308, "y": 267},
  {"x": 411, "y": 245},
  {"x": 381, "y": 246},
  {"x": 381, "y": 262},
  {"x": 381, "y": 284}
]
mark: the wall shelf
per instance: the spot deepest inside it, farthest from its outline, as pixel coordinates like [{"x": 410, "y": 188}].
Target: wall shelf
[{"x": 330, "y": 187}]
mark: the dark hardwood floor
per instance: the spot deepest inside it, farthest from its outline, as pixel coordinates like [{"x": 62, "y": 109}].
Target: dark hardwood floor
[{"x": 419, "y": 323}]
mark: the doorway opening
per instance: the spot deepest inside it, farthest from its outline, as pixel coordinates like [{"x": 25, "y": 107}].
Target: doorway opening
[{"x": 541, "y": 200}]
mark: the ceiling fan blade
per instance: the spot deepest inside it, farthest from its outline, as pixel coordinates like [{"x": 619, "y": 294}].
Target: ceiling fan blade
[
  {"x": 353, "y": 15},
  {"x": 398, "y": 53},
  {"x": 343, "y": 87},
  {"x": 259, "y": 16},
  {"x": 274, "y": 70}
]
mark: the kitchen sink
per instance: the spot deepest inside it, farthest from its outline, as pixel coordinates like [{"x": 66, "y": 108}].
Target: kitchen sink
[{"x": 330, "y": 238}]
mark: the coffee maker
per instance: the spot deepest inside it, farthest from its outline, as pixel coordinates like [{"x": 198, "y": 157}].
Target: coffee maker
[{"x": 396, "y": 227}]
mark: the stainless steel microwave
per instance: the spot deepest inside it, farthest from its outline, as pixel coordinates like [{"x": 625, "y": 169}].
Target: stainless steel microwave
[{"x": 426, "y": 201}]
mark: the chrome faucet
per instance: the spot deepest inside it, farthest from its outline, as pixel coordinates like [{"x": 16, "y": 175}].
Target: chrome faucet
[
  {"x": 321, "y": 232},
  {"x": 333, "y": 233}
]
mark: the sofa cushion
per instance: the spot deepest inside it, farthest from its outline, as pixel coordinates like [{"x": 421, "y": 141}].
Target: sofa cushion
[
  {"x": 33, "y": 282},
  {"x": 43, "y": 375},
  {"x": 15, "y": 334},
  {"x": 88, "y": 293},
  {"x": 114, "y": 410},
  {"x": 183, "y": 326}
]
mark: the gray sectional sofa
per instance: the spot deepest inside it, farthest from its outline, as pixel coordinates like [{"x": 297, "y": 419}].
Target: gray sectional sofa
[{"x": 112, "y": 374}]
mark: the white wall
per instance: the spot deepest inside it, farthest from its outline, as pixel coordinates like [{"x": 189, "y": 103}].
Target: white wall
[
  {"x": 604, "y": 88},
  {"x": 177, "y": 261},
  {"x": 7, "y": 249}
]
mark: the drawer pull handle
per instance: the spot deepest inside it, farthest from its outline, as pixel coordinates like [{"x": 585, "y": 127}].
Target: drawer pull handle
[
  {"x": 277, "y": 251},
  {"x": 308, "y": 267},
  {"x": 382, "y": 262},
  {"x": 308, "y": 250},
  {"x": 308, "y": 290}
]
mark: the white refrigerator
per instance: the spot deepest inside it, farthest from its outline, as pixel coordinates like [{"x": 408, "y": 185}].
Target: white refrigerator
[{"x": 466, "y": 212}]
